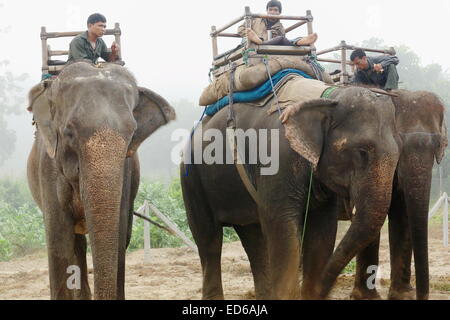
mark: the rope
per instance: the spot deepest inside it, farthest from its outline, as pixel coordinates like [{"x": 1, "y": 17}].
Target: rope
[
  {"x": 307, "y": 211},
  {"x": 271, "y": 83},
  {"x": 190, "y": 139},
  {"x": 315, "y": 66},
  {"x": 231, "y": 116}
]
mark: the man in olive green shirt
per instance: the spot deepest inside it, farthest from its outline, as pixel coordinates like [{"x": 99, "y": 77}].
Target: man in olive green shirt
[{"x": 90, "y": 45}]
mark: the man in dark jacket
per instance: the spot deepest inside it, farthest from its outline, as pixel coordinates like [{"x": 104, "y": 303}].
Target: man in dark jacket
[
  {"x": 380, "y": 71},
  {"x": 90, "y": 45}
]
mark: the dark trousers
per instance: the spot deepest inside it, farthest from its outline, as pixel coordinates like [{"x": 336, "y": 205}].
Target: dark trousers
[
  {"x": 392, "y": 78},
  {"x": 281, "y": 41}
]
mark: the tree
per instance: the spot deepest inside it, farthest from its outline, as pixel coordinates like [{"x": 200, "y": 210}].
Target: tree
[{"x": 11, "y": 98}]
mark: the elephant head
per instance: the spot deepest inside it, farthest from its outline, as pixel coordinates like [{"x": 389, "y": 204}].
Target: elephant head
[
  {"x": 421, "y": 125},
  {"x": 91, "y": 120},
  {"x": 352, "y": 145}
]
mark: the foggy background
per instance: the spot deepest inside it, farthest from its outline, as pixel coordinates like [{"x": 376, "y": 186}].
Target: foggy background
[{"x": 166, "y": 45}]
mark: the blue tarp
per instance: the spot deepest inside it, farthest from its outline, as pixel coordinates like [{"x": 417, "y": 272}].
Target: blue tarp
[{"x": 254, "y": 94}]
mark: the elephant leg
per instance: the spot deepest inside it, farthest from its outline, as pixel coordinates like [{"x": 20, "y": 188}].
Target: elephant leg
[
  {"x": 67, "y": 257},
  {"x": 208, "y": 235},
  {"x": 254, "y": 244},
  {"x": 210, "y": 250},
  {"x": 80, "y": 251},
  {"x": 401, "y": 254},
  {"x": 281, "y": 233},
  {"x": 318, "y": 246},
  {"x": 367, "y": 261}
]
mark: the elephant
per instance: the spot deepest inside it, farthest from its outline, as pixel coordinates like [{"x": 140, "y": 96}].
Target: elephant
[
  {"x": 422, "y": 128},
  {"x": 342, "y": 147},
  {"x": 83, "y": 171}
]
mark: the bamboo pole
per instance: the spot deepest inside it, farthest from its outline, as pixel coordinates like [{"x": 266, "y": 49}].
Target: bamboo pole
[
  {"x": 214, "y": 42},
  {"x": 436, "y": 207},
  {"x": 295, "y": 26},
  {"x": 58, "y": 53},
  {"x": 310, "y": 29},
  {"x": 172, "y": 226},
  {"x": 445, "y": 220},
  {"x": 229, "y": 35},
  {"x": 334, "y": 61},
  {"x": 329, "y": 50},
  {"x": 344, "y": 76},
  {"x": 44, "y": 50},
  {"x": 147, "y": 235},
  {"x": 50, "y": 35},
  {"x": 280, "y": 17},
  {"x": 117, "y": 36},
  {"x": 232, "y": 23}
]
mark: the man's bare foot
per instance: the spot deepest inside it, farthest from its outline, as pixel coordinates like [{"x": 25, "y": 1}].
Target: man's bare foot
[
  {"x": 309, "y": 40},
  {"x": 252, "y": 36}
]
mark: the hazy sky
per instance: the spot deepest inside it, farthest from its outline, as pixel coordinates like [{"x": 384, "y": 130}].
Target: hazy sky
[{"x": 166, "y": 44}]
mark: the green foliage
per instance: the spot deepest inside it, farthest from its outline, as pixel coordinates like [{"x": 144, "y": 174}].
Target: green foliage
[
  {"x": 350, "y": 268},
  {"x": 21, "y": 223},
  {"x": 168, "y": 199},
  {"x": 22, "y": 228}
]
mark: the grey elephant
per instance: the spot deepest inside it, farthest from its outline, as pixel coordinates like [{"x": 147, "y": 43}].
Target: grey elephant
[
  {"x": 422, "y": 128},
  {"x": 83, "y": 171},
  {"x": 345, "y": 146}
]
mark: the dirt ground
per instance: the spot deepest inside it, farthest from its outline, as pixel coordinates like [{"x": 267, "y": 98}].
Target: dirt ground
[{"x": 175, "y": 274}]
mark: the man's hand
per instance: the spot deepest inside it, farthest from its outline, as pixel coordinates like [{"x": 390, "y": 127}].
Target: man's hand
[
  {"x": 115, "y": 48},
  {"x": 378, "y": 68}
]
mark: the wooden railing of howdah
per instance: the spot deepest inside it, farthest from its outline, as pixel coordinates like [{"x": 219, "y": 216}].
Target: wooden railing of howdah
[
  {"x": 342, "y": 48},
  {"x": 222, "y": 60},
  {"x": 47, "y": 53}
]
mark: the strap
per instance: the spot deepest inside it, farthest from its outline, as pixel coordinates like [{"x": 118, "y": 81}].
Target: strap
[
  {"x": 231, "y": 137},
  {"x": 231, "y": 121},
  {"x": 271, "y": 83}
]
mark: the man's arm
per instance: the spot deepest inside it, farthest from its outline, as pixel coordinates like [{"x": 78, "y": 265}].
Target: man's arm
[
  {"x": 77, "y": 50},
  {"x": 110, "y": 56},
  {"x": 386, "y": 61},
  {"x": 242, "y": 31}
]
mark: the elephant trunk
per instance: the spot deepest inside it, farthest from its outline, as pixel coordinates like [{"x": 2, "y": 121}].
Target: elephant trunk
[
  {"x": 417, "y": 195},
  {"x": 102, "y": 167},
  {"x": 372, "y": 204}
]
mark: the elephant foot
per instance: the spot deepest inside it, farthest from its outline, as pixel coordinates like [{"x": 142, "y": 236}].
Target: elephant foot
[
  {"x": 402, "y": 294},
  {"x": 361, "y": 294}
]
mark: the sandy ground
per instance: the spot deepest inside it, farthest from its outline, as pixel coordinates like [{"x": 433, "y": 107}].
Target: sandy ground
[{"x": 175, "y": 274}]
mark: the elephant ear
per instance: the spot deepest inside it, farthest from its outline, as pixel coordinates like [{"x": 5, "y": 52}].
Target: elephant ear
[
  {"x": 443, "y": 143},
  {"x": 306, "y": 129},
  {"x": 40, "y": 106},
  {"x": 152, "y": 112}
]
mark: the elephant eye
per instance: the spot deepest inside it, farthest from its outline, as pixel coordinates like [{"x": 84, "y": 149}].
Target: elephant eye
[
  {"x": 363, "y": 158},
  {"x": 68, "y": 133}
]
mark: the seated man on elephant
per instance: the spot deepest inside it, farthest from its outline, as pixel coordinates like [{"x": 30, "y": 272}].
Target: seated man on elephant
[
  {"x": 258, "y": 32},
  {"x": 90, "y": 45},
  {"x": 380, "y": 71}
]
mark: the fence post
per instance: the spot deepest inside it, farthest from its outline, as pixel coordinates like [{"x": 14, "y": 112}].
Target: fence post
[
  {"x": 445, "y": 220},
  {"x": 147, "y": 242}
]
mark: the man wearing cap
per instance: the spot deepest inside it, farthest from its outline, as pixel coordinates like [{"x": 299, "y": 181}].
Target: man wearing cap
[
  {"x": 258, "y": 33},
  {"x": 90, "y": 45}
]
